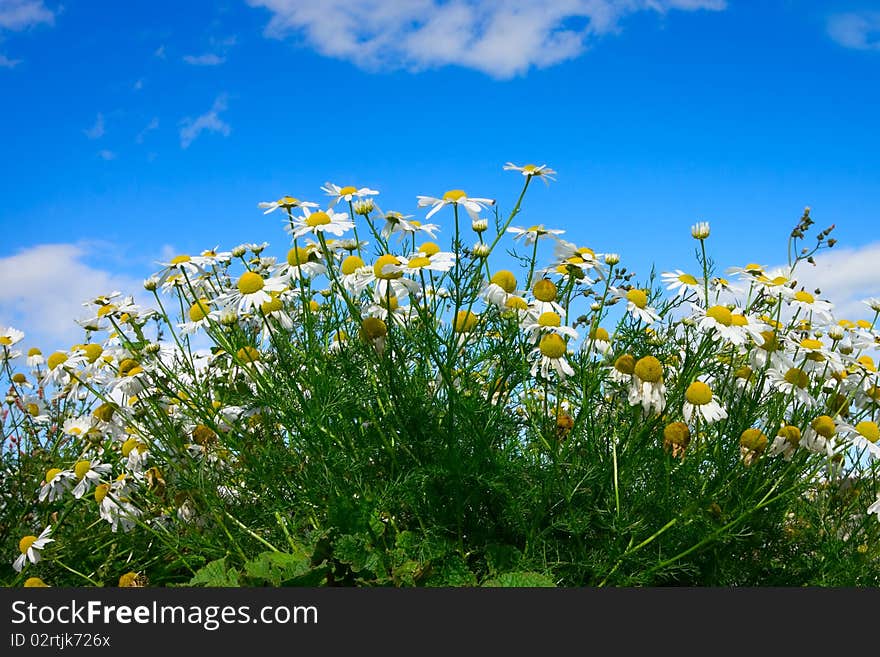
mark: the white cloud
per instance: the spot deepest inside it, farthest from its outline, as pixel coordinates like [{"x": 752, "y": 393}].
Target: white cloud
[
  {"x": 138, "y": 85},
  {"x": 208, "y": 59},
  {"x": 846, "y": 277},
  {"x": 503, "y": 38},
  {"x": 210, "y": 121},
  {"x": 97, "y": 130},
  {"x": 860, "y": 31},
  {"x": 44, "y": 287},
  {"x": 107, "y": 155},
  {"x": 152, "y": 125},
  {"x": 5, "y": 62},
  {"x": 22, "y": 14},
  {"x": 160, "y": 52}
]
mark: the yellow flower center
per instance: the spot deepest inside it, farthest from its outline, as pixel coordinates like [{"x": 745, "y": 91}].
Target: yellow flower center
[
  {"x": 677, "y": 433},
  {"x": 797, "y": 377},
  {"x": 348, "y": 189},
  {"x": 687, "y": 279},
  {"x": 698, "y": 393},
  {"x": 419, "y": 261},
  {"x": 351, "y": 264},
  {"x": 552, "y": 346},
  {"x": 809, "y": 343},
  {"x": 429, "y": 249},
  {"x": 81, "y": 468},
  {"x": 648, "y": 369},
  {"x": 179, "y": 260},
  {"x": 791, "y": 434},
  {"x": 106, "y": 309},
  {"x": 738, "y": 320},
  {"x": 753, "y": 439},
  {"x": 34, "y": 352},
  {"x": 314, "y": 306},
  {"x": 19, "y": 378},
  {"x": 454, "y": 195},
  {"x": 199, "y": 310},
  {"x": 382, "y": 262},
  {"x": 505, "y": 280},
  {"x": 465, "y": 321},
  {"x": 249, "y": 283},
  {"x": 319, "y": 218},
  {"x": 600, "y": 334},
  {"x": 720, "y": 314},
  {"x": 272, "y": 305},
  {"x": 770, "y": 343},
  {"x": 248, "y": 355},
  {"x": 824, "y": 426},
  {"x": 805, "y": 297},
  {"x": 530, "y": 168},
  {"x": 516, "y": 303},
  {"x": 129, "y": 367},
  {"x": 298, "y": 256},
  {"x": 752, "y": 267},
  {"x": 863, "y": 323},
  {"x": 25, "y": 544},
  {"x": 625, "y": 364},
  {"x": 128, "y": 580},
  {"x": 33, "y": 409},
  {"x": 544, "y": 290},
  {"x": 56, "y": 359},
  {"x": 743, "y": 372},
  {"x": 51, "y": 474},
  {"x": 373, "y": 328},
  {"x": 128, "y": 445},
  {"x": 869, "y": 430},
  {"x": 105, "y": 411},
  {"x": 867, "y": 362},
  {"x": 34, "y": 582},
  {"x": 637, "y": 297},
  {"x": 101, "y": 491},
  {"x": 549, "y": 319}
]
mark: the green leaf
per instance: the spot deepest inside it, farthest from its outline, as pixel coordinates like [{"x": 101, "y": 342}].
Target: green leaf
[
  {"x": 277, "y": 568},
  {"x": 215, "y": 573},
  {"x": 521, "y": 579},
  {"x": 451, "y": 571}
]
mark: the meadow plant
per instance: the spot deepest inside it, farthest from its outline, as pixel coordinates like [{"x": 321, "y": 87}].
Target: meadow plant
[{"x": 383, "y": 406}]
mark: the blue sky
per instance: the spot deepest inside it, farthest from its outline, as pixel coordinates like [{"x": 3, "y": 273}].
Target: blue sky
[{"x": 137, "y": 130}]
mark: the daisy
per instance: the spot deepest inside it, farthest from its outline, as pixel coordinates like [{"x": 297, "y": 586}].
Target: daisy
[
  {"x": 810, "y": 304},
  {"x": 700, "y": 402},
  {"x": 55, "y": 484},
  {"x": 347, "y": 193},
  {"x": 865, "y": 435},
  {"x": 637, "y": 304},
  {"x": 455, "y": 197},
  {"x": 431, "y": 260},
  {"x": 676, "y": 438},
  {"x": 570, "y": 256},
  {"x": 873, "y": 303},
  {"x": 200, "y": 316},
  {"x": 786, "y": 442},
  {"x": 752, "y": 443},
  {"x": 647, "y": 388},
  {"x": 30, "y": 547},
  {"x": 542, "y": 171},
  {"x": 387, "y": 275},
  {"x": 304, "y": 262},
  {"x": 792, "y": 381},
  {"x": 748, "y": 272},
  {"x": 545, "y": 323},
  {"x": 88, "y": 473},
  {"x": 622, "y": 369},
  {"x": 35, "y": 358},
  {"x": 819, "y": 436},
  {"x": 251, "y": 291},
  {"x": 817, "y": 356},
  {"x": 700, "y": 230},
  {"x": 59, "y": 366},
  {"x": 10, "y": 336},
  {"x": 600, "y": 340},
  {"x": 550, "y": 354},
  {"x": 681, "y": 283},
  {"x": 335, "y": 223},
  {"x": 176, "y": 268},
  {"x": 118, "y": 511},
  {"x": 731, "y": 326},
  {"x": 532, "y": 234},
  {"x": 398, "y": 223},
  {"x": 500, "y": 287},
  {"x": 545, "y": 292},
  {"x": 286, "y": 202}
]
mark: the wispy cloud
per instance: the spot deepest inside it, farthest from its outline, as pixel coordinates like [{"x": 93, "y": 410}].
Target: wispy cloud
[
  {"x": 106, "y": 155},
  {"x": 5, "y": 62},
  {"x": 22, "y": 14},
  {"x": 138, "y": 84},
  {"x": 846, "y": 277},
  {"x": 44, "y": 287},
  {"x": 152, "y": 125},
  {"x": 860, "y": 31},
  {"x": 502, "y": 39},
  {"x": 160, "y": 52},
  {"x": 208, "y": 59},
  {"x": 210, "y": 121},
  {"x": 97, "y": 130}
]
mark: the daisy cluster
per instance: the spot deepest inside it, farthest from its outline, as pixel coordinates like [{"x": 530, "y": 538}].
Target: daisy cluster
[{"x": 147, "y": 391}]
